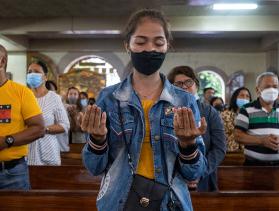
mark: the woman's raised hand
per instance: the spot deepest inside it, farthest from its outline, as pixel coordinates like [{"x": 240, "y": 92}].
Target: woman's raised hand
[
  {"x": 185, "y": 127},
  {"x": 94, "y": 123}
]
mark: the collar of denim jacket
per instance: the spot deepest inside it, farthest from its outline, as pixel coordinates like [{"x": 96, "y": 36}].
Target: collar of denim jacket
[{"x": 125, "y": 91}]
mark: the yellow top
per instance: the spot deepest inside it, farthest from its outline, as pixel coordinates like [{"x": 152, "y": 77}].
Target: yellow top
[
  {"x": 17, "y": 103},
  {"x": 146, "y": 161}
]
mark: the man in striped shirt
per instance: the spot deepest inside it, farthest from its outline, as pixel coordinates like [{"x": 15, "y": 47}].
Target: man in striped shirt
[{"x": 257, "y": 125}]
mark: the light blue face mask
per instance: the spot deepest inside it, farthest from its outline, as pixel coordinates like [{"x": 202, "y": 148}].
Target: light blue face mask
[
  {"x": 84, "y": 102},
  {"x": 241, "y": 102},
  {"x": 34, "y": 80}
]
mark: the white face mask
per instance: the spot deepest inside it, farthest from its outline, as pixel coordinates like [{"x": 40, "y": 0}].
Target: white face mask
[{"x": 269, "y": 95}]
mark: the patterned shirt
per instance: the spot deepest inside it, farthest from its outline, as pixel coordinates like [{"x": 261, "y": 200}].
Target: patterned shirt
[{"x": 228, "y": 119}]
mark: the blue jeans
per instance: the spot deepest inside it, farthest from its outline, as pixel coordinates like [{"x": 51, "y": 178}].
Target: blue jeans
[{"x": 15, "y": 178}]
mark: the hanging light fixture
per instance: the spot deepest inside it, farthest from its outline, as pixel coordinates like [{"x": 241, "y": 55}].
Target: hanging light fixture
[{"x": 235, "y": 6}]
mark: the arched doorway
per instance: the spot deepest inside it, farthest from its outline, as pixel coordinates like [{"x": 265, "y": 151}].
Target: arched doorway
[
  {"x": 89, "y": 74},
  {"x": 209, "y": 78}
]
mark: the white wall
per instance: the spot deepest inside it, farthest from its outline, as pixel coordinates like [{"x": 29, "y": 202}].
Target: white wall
[
  {"x": 250, "y": 63},
  {"x": 55, "y": 56},
  {"x": 17, "y": 65},
  {"x": 16, "y": 60}
]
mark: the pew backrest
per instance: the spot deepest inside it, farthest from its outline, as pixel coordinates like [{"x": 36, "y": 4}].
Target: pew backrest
[
  {"x": 248, "y": 178},
  {"x": 230, "y": 178},
  {"x": 62, "y": 177},
  {"x": 53, "y": 200}
]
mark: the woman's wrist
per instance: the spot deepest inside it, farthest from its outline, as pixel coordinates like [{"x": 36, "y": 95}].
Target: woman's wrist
[
  {"x": 47, "y": 130},
  {"x": 97, "y": 140},
  {"x": 185, "y": 144},
  {"x": 97, "y": 147},
  {"x": 189, "y": 154}
]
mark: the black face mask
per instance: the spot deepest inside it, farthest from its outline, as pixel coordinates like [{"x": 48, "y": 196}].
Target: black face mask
[
  {"x": 147, "y": 62},
  {"x": 219, "y": 107}
]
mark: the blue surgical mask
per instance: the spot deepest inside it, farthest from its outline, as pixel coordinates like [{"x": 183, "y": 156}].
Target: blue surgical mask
[
  {"x": 84, "y": 102},
  {"x": 241, "y": 102},
  {"x": 34, "y": 80}
]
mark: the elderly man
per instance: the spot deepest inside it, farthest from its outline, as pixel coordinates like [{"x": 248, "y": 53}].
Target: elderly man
[
  {"x": 257, "y": 124},
  {"x": 21, "y": 122}
]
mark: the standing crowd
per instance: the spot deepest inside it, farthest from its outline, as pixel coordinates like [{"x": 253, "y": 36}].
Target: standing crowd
[{"x": 151, "y": 137}]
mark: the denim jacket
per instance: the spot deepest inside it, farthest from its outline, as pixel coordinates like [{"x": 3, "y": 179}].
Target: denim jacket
[
  {"x": 113, "y": 162},
  {"x": 215, "y": 144}
]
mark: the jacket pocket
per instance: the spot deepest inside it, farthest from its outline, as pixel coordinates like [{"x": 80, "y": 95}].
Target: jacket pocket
[
  {"x": 116, "y": 131},
  {"x": 169, "y": 138}
]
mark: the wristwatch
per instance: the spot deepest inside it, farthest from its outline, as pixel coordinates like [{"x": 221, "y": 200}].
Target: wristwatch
[
  {"x": 47, "y": 130},
  {"x": 9, "y": 140}
]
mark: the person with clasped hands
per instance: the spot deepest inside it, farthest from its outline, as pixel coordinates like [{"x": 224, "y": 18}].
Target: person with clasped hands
[
  {"x": 46, "y": 150},
  {"x": 214, "y": 137},
  {"x": 257, "y": 124},
  {"x": 159, "y": 123},
  {"x": 21, "y": 122}
]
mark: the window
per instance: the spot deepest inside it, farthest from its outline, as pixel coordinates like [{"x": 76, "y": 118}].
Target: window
[{"x": 209, "y": 78}]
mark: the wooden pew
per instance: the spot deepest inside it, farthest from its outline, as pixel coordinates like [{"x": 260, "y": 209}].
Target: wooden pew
[
  {"x": 73, "y": 157},
  {"x": 236, "y": 201},
  {"x": 76, "y": 148},
  {"x": 48, "y": 200},
  {"x": 233, "y": 159},
  {"x": 229, "y": 177},
  {"x": 248, "y": 178},
  {"x": 62, "y": 177},
  {"x": 53, "y": 200}
]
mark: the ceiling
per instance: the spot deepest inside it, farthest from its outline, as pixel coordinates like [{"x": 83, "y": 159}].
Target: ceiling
[
  {"x": 76, "y": 8},
  {"x": 93, "y": 8},
  {"x": 29, "y": 22}
]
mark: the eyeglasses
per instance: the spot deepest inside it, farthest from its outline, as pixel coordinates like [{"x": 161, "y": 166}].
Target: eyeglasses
[{"x": 188, "y": 83}]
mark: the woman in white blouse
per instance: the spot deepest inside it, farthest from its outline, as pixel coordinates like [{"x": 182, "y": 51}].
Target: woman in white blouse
[{"x": 46, "y": 150}]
